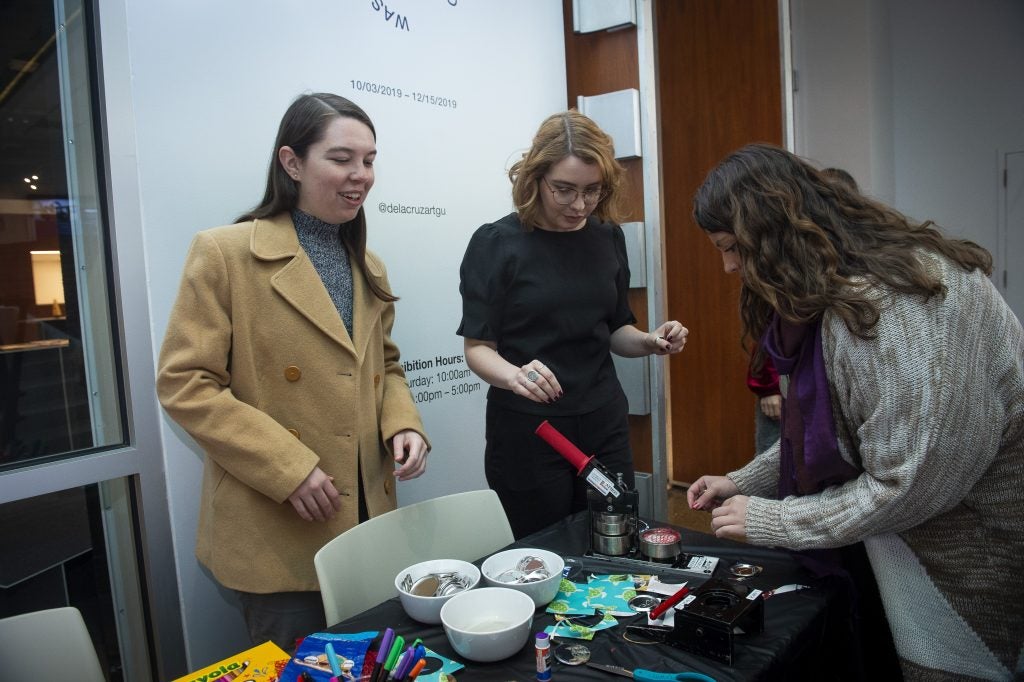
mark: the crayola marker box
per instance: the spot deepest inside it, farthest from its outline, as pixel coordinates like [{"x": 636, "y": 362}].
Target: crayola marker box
[{"x": 262, "y": 663}]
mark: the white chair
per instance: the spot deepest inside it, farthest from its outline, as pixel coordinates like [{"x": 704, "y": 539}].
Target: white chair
[
  {"x": 357, "y": 569},
  {"x": 48, "y": 645}
]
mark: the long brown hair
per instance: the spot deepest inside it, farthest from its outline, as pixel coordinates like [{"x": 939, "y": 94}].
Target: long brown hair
[
  {"x": 569, "y": 133},
  {"x": 808, "y": 244},
  {"x": 303, "y": 125}
]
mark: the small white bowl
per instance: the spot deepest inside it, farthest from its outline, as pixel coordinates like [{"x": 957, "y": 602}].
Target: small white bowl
[
  {"x": 489, "y": 623},
  {"x": 428, "y": 609},
  {"x": 541, "y": 592}
]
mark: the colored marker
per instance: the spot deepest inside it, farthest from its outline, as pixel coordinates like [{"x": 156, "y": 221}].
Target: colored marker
[
  {"x": 332, "y": 659},
  {"x": 389, "y": 660},
  {"x": 396, "y": 651},
  {"x": 382, "y": 652},
  {"x": 403, "y": 659},
  {"x": 416, "y": 669},
  {"x": 416, "y": 654}
]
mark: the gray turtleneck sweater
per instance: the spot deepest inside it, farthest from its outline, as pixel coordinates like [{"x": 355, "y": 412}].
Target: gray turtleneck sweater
[{"x": 322, "y": 243}]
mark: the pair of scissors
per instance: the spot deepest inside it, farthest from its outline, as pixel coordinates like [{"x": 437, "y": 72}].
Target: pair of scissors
[{"x": 649, "y": 675}]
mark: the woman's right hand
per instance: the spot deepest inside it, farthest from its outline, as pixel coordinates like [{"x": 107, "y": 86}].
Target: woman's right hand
[
  {"x": 316, "y": 498},
  {"x": 710, "y": 491},
  {"x": 536, "y": 382},
  {"x": 772, "y": 406}
]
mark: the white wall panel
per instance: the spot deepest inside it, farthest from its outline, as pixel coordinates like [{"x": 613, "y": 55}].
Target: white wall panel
[{"x": 456, "y": 91}]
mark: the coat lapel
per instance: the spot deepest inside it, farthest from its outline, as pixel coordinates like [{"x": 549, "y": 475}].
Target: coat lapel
[
  {"x": 297, "y": 281},
  {"x": 366, "y": 307}
]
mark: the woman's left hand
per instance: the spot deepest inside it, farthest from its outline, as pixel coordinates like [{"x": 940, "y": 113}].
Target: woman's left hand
[
  {"x": 730, "y": 519},
  {"x": 410, "y": 453},
  {"x": 670, "y": 337}
]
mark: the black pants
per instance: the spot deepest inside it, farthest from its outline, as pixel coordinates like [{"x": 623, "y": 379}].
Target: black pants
[{"x": 535, "y": 484}]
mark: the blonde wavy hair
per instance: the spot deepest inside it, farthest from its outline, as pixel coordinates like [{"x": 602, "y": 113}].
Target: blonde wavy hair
[{"x": 569, "y": 133}]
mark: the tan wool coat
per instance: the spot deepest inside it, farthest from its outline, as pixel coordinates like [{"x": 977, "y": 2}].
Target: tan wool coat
[{"x": 258, "y": 368}]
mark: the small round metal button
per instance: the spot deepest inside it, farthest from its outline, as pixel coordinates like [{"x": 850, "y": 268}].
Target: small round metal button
[
  {"x": 376, "y": 380},
  {"x": 741, "y": 570},
  {"x": 572, "y": 654},
  {"x": 643, "y": 603},
  {"x": 292, "y": 373}
]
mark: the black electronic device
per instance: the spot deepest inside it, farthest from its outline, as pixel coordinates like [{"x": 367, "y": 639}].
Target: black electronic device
[{"x": 714, "y": 615}]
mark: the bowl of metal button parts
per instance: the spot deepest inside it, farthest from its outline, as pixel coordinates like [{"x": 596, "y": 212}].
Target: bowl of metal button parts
[
  {"x": 423, "y": 588},
  {"x": 488, "y": 623},
  {"x": 536, "y": 573}
]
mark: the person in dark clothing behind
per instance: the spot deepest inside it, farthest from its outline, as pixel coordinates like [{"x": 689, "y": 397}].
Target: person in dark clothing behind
[{"x": 544, "y": 304}]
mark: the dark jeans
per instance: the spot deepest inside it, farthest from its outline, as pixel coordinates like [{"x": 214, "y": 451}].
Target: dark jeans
[
  {"x": 535, "y": 484},
  {"x": 282, "y": 617}
]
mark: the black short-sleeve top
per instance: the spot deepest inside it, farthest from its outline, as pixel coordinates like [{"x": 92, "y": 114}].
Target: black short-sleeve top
[{"x": 551, "y": 296}]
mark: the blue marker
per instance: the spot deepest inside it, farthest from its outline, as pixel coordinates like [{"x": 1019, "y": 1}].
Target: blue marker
[{"x": 332, "y": 660}]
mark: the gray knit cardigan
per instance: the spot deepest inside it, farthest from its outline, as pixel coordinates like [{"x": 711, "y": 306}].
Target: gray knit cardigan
[{"x": 932, "y": 413}]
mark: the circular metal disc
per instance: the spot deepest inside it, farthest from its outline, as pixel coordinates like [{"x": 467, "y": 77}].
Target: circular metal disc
[
  {"x": 744, "y": 570},
  {"x": 572, "y": 654},
  {"x": 643, "y": 603},
  {"x": 425, "y": 586}
]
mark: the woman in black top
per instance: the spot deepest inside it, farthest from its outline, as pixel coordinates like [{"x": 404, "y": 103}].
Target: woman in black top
[{"x": 544, "y": 300}]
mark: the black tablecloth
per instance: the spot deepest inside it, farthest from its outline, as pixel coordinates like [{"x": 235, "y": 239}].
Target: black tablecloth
[{"x": 803, "y": 631}]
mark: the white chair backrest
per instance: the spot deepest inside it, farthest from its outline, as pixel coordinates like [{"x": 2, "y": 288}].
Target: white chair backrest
[
  {"x": 357, "y": 569},
  {"x": 48, "y": 645}
]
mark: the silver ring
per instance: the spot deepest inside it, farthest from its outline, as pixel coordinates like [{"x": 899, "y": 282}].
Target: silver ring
[{"x": 532, "y": 375}]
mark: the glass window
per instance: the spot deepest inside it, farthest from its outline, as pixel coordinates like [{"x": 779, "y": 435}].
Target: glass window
[
  {"x": 56, "y": 554},
  {"x": 58, "y": 390}
]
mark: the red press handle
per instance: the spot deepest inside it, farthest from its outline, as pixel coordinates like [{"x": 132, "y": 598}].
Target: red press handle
[
  {"x": 562, "y": 445},
  {"x": 669, "y": 603}
]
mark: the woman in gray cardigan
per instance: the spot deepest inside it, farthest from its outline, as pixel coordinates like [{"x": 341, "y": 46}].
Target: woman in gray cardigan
[{"x": 903, "y": 425}]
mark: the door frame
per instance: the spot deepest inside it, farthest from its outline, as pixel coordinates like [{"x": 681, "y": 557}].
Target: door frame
[
  {"x": 1000, "y": 275},
  {"x": 145, "y": 548}
]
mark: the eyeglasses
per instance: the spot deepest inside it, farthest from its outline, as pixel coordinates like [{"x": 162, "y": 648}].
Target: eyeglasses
[{"x": 564, "y": 196}]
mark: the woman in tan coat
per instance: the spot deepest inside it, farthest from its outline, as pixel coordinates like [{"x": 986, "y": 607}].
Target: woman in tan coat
[{"x": 278, "y": 361}]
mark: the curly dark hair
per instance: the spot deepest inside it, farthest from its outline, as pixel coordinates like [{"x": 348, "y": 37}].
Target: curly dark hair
[{"x": 808, "y": 244}]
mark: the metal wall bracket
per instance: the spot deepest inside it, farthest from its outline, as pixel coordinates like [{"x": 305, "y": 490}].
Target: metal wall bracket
[
  {"x": 618, "y": 114},
  {"x": 600, "y": 15}
]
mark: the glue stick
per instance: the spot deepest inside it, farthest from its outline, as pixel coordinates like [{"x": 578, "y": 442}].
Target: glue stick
[{"x": 543, "y": 648}]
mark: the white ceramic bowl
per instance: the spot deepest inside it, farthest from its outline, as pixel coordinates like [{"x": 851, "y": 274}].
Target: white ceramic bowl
[
  {"x": 428, "y": 609},
  {"x": 541, "y": 592},
  {"x": 489, "y": 623}
]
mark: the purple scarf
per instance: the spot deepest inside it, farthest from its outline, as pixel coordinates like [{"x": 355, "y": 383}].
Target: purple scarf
[{"x": 809, "y": 461}]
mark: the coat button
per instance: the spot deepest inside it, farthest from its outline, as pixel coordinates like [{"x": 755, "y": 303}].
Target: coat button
[
  {"x": 387, "y": 486},
  {"x": 292, "y": 373},
  {"x": 376, "y": 380},
  {"x": 294, "y": 432}
]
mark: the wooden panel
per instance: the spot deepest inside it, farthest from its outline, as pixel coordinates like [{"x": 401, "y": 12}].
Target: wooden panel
[
  {"x": 719, "y": 87},
  {"x": 597, "y": 63}
]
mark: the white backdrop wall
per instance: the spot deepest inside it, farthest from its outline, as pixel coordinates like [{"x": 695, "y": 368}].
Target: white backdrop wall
[
  {"x": 916, "y": 98},
  {"x": 455, "y": 88}
]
